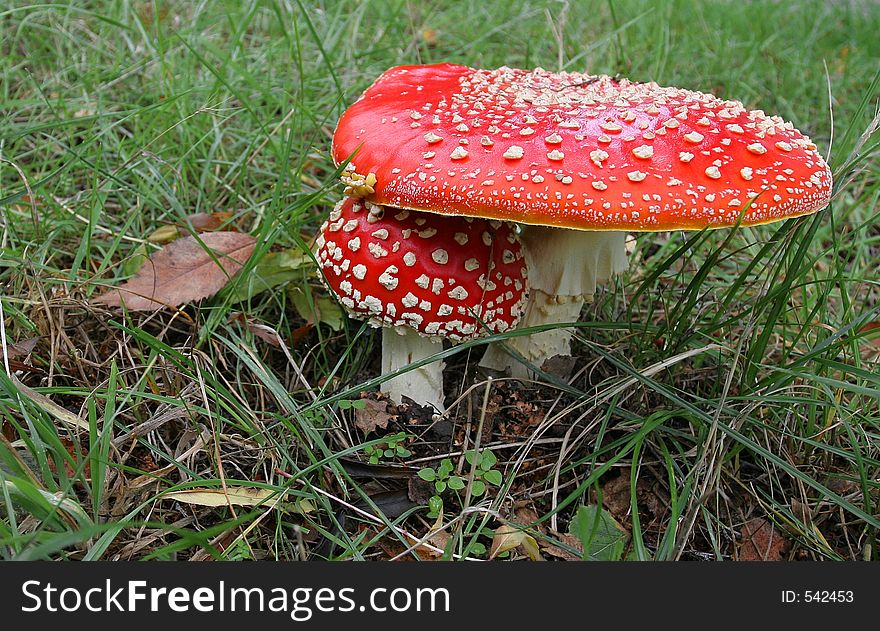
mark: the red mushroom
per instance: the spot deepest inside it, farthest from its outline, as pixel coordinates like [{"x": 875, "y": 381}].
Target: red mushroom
[
  {"x": 591, "y": 154},
  {"x": 424, "y": 278}
]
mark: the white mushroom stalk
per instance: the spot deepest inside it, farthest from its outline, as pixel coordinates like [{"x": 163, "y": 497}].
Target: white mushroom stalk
[
  {"x": 403, "y": 346},
  {"x": 565, "y": 267}
]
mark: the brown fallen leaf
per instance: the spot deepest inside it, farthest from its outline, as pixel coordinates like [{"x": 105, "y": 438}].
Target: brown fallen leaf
[
  {"x": 431, "y": 548},
  {"x": 760, "y": 541},
  {"x": 616, "y": 496},
  {"x": 18, "y": 349},
  {"x": 562, "y": 553},
  {"x": 183, "y": 271},
  {"x": 212, "y": 222},
  {"x": 237, "y": 496},
  {"x": 870, "y": 342},
  {"x": 372, "y": 417},
  {"x": 527, "y": 516}
]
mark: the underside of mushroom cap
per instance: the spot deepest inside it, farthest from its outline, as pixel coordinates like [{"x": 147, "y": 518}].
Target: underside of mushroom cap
[{"x": 588, "y": 152}]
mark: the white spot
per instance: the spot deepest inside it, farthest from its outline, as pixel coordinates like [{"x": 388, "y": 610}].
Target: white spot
[
  {"x": 388, "y": 281},
  {"x": 598, "y": 157},
  {"x": 684, "y": 156},
  {"x": 377, "y": 250},
  {"x": 694, "y": 137},
  {"x": 636, "y": 176},
  {"x": 440, "y": 256},
  {"x": 746, "y": 173},
  {"x": 373, "y": 304},
  {"x": 645, "y": 152},
  {"x": 359, "y": 271},
  {"x": 459, "y": 153},
  {"x": 409, "y": 259},
  {"x": 431, "y": 138},
  {"x": 514, "y": 152},
  {"x": 355, "y": 244},
  {"x": 471, "y": 265},
  {"x": 459, "y": 293},
  {"x": 757, "y": 148},
  {"x": 713, "y": 172}
]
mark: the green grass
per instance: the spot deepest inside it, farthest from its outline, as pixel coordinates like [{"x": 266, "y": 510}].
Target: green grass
[{"x": 728, "y": 375}]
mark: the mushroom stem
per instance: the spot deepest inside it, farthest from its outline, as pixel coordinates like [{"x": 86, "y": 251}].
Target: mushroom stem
[
  {"x": 564, "y": 268},
  {"x": 402, "y": 346}
]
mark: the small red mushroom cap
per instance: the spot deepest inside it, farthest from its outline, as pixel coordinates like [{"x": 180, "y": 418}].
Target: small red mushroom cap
[
  {"x": 451, "y": 277},
  {"x": 573, "y": 150}
]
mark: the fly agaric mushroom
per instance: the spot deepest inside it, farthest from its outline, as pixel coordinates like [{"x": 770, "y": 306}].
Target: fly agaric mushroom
[
  {"x": 578, "y": 158},
  {"x": 424, "y": 278}
]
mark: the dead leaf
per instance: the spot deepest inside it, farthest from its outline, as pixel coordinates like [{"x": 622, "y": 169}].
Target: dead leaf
[
  {"x": 212, "y": 222},
  {"x": 48, "y": 405},
  {"x": 760, "y": 541},
  {"x": 870, "y": 342},
  {"x": 526, "y": 515},
  {"x": 298, "y": 335},
  {"x": 801, "y": 511},
  {"x": 557, "y": 551},
  {"x": 164, "y": 234},
  {"x": 842, "y": 486},
  {"x": 236, "y": 496},
  {"x": 509, "y": 537},
  {"x": 183, "y": 271},
  {"x": 432, "y": 548},
  {"x": 616, "y": 496},
  {"x": 372, "y": 417},
  {"x": 21, "y": 348}
]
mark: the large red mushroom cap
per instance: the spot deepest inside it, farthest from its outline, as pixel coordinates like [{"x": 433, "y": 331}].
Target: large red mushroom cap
[
  {"x": 451, "y": 277},
  {"x": 573, "y": 150}
]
